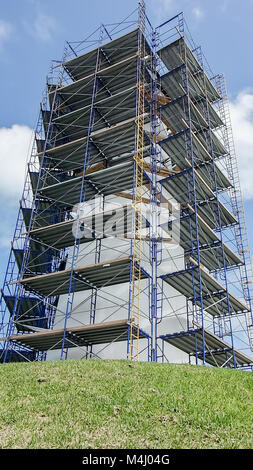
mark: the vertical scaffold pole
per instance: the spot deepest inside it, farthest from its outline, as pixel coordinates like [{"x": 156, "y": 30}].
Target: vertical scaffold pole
[
  {"x": 19, "y": 289},
  {"x": 82, "y": 197},
  {"x": 154, "y": 156},
  {"x": 241, "y": 234},
  {"x": 223, "y": 267},
  {"x": 195, "y": 244},
  {"x": 136, "y": 239}
]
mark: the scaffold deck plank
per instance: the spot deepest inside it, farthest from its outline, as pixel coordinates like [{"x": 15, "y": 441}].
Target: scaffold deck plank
[
  {"x": 175, "y": 114},
  {"x": 209, "y": 214},
  {"x": 39, "y": 259},
  {"x": 210, "y": 244},
  {"x": 30, "y": 310},
  {"x": 107, "y": 145},
  {"x": 112, "y": 79},
  {"x": 173, "y": 56},
  {"x": 114, "y": 51},
  {"x": 218, "y": 147},
  {"x": 222, "y": 181},
  {"x": 104, "y": 274},
  {"x": 98, "y": 333},
  {"x": 175, "y": 146},
  {"x": 43, "y": 214},
  {"x": 217, "y": 352},
  {"x": 109, "y": 111},
  {"x": 172, "y": 84},
  {"x": 213, "y": 292},
  {"x": 107, "y": 181},
  {"x": 96, "y": 225},
  {"x": 177, "y": 186}
]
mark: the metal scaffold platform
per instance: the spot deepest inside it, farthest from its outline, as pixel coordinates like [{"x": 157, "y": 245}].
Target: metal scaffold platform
[{"x": 131, "y": 239}]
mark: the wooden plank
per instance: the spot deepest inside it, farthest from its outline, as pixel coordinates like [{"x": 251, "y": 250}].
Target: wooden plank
[
  {"x": 92, "y": 169},
  {"x": 105, "y": 130},
  {"x": 75, "y": 329},
  {"x": 87, "y": 77},
  {"x": 68, "y": 271}
]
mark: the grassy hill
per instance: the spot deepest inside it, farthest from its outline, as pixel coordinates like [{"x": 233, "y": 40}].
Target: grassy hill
[{"x": 117, "y": 404}]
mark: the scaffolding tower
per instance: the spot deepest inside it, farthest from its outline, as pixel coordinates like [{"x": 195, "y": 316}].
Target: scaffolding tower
[{"x": 131, "y": 235}]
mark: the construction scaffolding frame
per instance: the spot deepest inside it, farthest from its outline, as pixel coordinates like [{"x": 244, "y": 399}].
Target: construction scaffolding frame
[{"x": 131, "y": 228}]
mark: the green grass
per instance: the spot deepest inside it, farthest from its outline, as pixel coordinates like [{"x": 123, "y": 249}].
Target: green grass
[{"x": 115, "y": 404}]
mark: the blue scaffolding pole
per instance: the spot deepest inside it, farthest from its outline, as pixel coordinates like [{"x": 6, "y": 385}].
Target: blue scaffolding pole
[{"x": 71, "y": 289}]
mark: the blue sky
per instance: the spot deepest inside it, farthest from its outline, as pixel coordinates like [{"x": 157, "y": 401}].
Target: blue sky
[{"x": 32, "y": 33}]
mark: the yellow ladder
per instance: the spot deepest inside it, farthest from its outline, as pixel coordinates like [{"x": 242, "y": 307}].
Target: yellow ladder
[{"x": 137, "y": 208}]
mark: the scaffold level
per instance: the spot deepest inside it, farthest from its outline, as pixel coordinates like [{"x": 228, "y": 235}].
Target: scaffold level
[
  {"x": 82, "y": 336},
  {"x": 131, "y": 239}
]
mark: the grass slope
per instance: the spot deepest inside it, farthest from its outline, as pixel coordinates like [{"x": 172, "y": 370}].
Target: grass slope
[{"x": 115, "y": 404}]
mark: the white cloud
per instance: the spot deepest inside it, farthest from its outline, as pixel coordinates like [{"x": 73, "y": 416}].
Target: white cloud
[
  {"x": 224, "y": 6},
  {"x": 8, "y": 219},
  {"x": 198, "y": 12},
  {"x": 43, "y": 27},
  {"x": 242, "y": 120},
  {"x": 5, "y": 31},
  {"x": 14, "y": 148},
  {"x": 167, "y": 5},
  {"x": 162, "y": 9}
]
